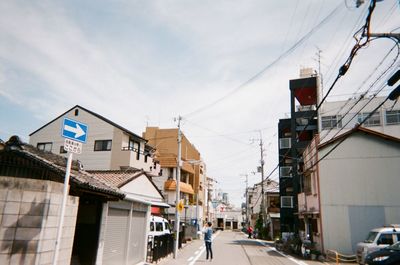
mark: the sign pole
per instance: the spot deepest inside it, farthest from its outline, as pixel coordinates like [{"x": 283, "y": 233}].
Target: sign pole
[{"x": 62, "y": 212}]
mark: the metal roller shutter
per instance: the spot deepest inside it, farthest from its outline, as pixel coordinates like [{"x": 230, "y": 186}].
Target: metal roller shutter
[
  {"x": 137, "y": 239},
  {"x": 116, "y": 237}
]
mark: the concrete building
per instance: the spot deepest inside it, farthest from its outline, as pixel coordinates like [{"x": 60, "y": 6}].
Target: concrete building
[
  {"x": 350, "y": 185},
  {"x": 340, "y": 116},
  {"x": 193, "y": 175},
  {"x": 294, "y": 134}
]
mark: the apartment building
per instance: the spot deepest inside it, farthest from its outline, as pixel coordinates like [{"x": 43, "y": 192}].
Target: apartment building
[
  {"x": 294, "y": 134},
  {"x": 193, "y": 176},
  {"x": 337, "y": 117}
]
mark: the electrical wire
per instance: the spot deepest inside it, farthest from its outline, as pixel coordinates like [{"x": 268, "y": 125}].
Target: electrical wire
[{"x": 270, "y": 65}]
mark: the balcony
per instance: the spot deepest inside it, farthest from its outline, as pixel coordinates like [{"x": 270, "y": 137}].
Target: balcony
[
  {"x": 308, "y": 204},
  {"x": 170, "y": 185}
]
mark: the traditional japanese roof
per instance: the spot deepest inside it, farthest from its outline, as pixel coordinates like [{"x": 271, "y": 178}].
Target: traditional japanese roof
[
  {"x": 30, "y": 162},
  {"x": 118, "y": 178},
  {"x": 96, "y": 115},
  {"x": 362, "y": 130}
]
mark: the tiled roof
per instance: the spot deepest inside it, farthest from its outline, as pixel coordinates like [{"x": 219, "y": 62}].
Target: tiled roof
[
  {"x": 78, "y": 178},
  {"x": 116, "y": 178}
]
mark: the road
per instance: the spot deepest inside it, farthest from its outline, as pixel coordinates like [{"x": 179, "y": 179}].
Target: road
[{"x": 233, "y": 248}]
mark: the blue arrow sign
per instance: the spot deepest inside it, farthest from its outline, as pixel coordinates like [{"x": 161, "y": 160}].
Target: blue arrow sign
[{"x": 74, "y": 130}]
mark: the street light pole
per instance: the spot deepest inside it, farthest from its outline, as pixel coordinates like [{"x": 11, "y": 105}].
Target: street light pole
[
  {"x": 178, "y": 179},
  {"x": 247, "y": 199}
]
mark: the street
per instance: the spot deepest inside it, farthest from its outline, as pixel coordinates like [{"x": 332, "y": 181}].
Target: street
[{"x": 233, "y": 248}]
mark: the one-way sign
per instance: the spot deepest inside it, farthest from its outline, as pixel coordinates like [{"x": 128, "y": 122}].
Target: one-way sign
[{"x": 74, "y": 130}]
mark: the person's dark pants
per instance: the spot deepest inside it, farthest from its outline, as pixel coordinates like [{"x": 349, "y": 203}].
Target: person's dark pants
[{"x": 209, "y": 250}]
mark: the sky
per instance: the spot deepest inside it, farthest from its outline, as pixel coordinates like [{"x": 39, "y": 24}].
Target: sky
[{"x": 224, "y": 66}]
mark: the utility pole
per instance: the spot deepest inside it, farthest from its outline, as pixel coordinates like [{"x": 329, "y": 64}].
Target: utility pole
[
  {"x": 262, "y": 181},
  {"x": 178, "y": 197},
  {"x": 247, "y": 198}
]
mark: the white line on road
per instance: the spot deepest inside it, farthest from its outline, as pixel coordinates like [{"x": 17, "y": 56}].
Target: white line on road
[
  {"x": 299, "y": 262},
  {"x": 203, "y": 249},
  {"x": 189, "y": 259},
  {"x": 197, "y": 252}
]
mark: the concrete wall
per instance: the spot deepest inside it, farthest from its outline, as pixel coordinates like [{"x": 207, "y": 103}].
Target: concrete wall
[
  {"x": 29, "y": 211},
  {"x": 359, "y": 184}
]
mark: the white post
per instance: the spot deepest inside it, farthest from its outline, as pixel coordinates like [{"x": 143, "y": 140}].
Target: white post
[
  {"x": 62, "y": 211},
  {"x": 178, "y": 178}
]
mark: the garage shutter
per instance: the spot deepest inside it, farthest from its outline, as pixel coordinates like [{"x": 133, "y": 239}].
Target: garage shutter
[
  {"x": 137, "y": 241},
  {"x": 116, "y": 238}
]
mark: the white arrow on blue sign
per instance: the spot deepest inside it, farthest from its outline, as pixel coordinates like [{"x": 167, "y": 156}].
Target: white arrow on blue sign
[{"x": 74, "y": 130}]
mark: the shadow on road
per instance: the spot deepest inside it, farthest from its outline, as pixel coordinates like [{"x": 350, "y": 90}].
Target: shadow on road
[{"x": 245, "y": 242}]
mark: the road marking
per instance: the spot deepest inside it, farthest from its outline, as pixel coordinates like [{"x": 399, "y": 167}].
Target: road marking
[
  {"x": 189, "y": 259},
  {"x": 299, "y": 262},
  {"x": 203, "y": 249},
  {"x": 197, "y": 252}
]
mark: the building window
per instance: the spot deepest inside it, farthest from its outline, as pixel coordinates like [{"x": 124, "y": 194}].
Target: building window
[
  {"x": 102, "y": 145},
  {"x": 45, "y": 146},
  {"x": 307, "y": 184},
  {"x": 285, "y": 143},
  {"x": 286, "y": 201},
  {"x": 392, "y": 117},
  {"x": 374, "y": 120},
  {"x": 285, "y": 172},
  {"x": 331, "y": 122},
  {"x": 62, "y": 150}
]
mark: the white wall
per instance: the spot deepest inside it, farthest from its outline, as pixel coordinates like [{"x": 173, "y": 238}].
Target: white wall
[
  {"x": 359, "y": 184},
  {"x": 97, "y": 130}
]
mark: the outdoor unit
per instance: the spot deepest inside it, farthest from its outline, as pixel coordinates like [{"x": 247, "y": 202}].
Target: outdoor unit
[
  {"x": 285, "y": 143},
  {"x": 285, "y": 172}
]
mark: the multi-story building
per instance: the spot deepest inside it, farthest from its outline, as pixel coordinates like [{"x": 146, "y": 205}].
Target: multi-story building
[
  {"x": 337, "y": 117},
  {"x": 294, "y": 134},
  {"x": 109, "y": 146},
  {"x": 192, "y": 171}
]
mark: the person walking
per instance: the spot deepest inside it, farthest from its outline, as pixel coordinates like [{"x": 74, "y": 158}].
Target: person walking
[
  {"x": 207, "y": 240},
  {"x": 250, "y": 231}
]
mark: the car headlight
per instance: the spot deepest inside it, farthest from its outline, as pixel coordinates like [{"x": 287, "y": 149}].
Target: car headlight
[{"x": 381, "y": 258}]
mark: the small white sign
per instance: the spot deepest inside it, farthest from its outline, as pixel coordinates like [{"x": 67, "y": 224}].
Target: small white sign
[{"x": 72, "y": 146}]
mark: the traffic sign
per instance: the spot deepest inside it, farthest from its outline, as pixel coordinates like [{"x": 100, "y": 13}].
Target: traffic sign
[
  {"x": 72, "y": 146},
  {"x": 74, "y": 130}
]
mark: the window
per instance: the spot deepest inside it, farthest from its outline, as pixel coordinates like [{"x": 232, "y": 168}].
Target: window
[
  {"x": 331, "y": 122},
  {"x": 392, "y": 117},
  {"x": 134, "y": 146},
  {"x": 151, "y": 226},
  {"x": 374, "y": 120},
  {"x": 285, "y": 172},
  {"x": 102, "y": 145},
  {"x": 385, "y": 239},
  {"x": 286, "y": 202},
  {"x": 159, "y": 226},
  {"x": 284, "y": 143},
  {"x": 45, "y": 146},
  {"x": 307, "y": 184},
  {"x": 62, "y": 150}
]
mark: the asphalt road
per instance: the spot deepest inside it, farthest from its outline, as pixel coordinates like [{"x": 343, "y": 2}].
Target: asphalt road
[{"x": 232, "y": 248}]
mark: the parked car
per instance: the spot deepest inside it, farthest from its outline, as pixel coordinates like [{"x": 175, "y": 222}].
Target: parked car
[
  {"x": 158, "y": 226},
  {"x": 377, "y": 239},
  {"x": 386, "y": 256}
]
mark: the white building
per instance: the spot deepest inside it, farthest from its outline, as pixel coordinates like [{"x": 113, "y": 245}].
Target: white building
[
  {"x": 344, "y": 115},
  {"x": 350, "y": 186},
  {"x": 109, "y": 146}
]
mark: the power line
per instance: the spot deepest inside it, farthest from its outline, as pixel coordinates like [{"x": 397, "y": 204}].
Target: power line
[{"x": 260, "y": 73}]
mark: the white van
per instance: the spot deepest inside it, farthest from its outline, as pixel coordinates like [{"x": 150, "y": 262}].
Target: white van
[
  {"x": 157, "y": 226},
  {"x": 377, "y": 238}
]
